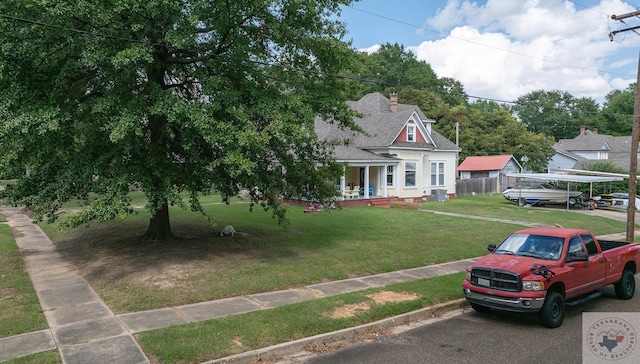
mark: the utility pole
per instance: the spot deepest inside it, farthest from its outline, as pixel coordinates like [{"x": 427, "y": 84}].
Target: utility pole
[{"x": 633, "y": 164}]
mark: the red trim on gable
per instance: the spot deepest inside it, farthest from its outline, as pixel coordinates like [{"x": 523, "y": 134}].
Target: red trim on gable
[{"x": 402, "y": 137}]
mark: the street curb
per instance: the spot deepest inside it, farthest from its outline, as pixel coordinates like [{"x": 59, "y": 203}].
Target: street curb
[{"x": 350, "y": 334}]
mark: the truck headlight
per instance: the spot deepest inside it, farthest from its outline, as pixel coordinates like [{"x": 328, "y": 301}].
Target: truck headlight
[
  {"x": 468, "y": 277},
  {"x": 533, "y": 286}
]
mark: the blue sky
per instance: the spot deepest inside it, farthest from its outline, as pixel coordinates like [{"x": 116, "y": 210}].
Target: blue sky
[{"x": 503, "y": 49}]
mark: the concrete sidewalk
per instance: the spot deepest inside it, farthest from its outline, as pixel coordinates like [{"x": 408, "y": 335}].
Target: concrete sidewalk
[
  {"x": 81, "y": 326},
  {"x": 84, "y": 329}
]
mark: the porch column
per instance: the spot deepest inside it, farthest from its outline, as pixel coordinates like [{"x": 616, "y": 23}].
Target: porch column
[
  {"x": 343, "y": 184},
  {"x": 366, "y": 182},
  {"x": 384, "y": 180},
  {"x": 396, "y": 177}
]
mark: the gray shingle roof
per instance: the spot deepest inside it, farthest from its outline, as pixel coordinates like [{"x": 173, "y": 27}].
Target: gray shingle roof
[
  {"x": 382, "y": 127},
  {"x": 618, "y": 148},
  {"x": 585, "y": 141}
]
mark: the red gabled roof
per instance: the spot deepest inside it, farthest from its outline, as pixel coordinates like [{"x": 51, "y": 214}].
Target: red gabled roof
[{"x": 484, "y": 163}]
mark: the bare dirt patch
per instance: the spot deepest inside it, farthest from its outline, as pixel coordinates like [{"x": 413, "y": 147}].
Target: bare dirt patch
[
  {"x": 383, "y": 297},
  {"x": 350, "y": 310},
  {"x": 379, "y": 298}
]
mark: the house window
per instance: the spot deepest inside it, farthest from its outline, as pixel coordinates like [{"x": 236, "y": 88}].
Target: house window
[
  {"x": 410, "y": 174},
  {"x": 389, "y": 175},
  {"x": 411, "y": 133},
  {"x": 437, "y": 173}
]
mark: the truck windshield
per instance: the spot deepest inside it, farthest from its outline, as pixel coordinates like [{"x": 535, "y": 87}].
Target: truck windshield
[{"x": 537, "y": 246}]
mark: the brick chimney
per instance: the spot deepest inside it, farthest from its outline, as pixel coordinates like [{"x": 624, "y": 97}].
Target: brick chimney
[
  {"x": 595, "y": 130},
  {"x": 393, "y": 98},
  {"x": 582, "y": 129}
]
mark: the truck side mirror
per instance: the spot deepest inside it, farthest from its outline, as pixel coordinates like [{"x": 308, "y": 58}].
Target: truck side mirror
[
  {"x": 491, "y": 247},
  {"x": 577, "y": 257}
]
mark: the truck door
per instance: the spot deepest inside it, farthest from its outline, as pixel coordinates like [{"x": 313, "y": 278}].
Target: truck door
[
  {"x": 579, "y": 281},
  {"x": 597, "y": 262}
]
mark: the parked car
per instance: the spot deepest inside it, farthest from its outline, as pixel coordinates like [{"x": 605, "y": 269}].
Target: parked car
[
  {"x": 616, "y": 200},
  {"x": 543, "y": 269}
]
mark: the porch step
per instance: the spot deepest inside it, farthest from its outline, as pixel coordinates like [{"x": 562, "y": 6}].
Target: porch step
[
  {"x": 380, "y": 202},
  {"x": 405, "y": 205}
]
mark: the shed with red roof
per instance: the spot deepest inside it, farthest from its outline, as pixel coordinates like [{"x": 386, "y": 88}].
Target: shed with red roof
[{"x": 490, "y": 166}]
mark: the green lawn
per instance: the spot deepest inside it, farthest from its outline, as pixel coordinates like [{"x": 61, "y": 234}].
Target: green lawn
[
  {"x": 498, "y": 207},
  {"x": 20, "y": 309},
  {"x": 45, "y": 357},
  {"x": 264, "y": 256}
]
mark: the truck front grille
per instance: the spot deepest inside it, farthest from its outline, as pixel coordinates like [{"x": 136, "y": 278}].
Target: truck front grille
[{"x": 496, "y": 279}]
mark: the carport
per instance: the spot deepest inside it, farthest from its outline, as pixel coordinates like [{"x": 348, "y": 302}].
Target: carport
[{"x": 567, "y": 178}]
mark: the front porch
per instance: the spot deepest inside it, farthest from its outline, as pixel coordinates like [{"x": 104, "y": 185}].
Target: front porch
[{"x": 367, "y": 182}]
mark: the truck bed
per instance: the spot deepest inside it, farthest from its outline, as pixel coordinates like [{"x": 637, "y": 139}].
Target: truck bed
[{"x": 609, "y": 244}]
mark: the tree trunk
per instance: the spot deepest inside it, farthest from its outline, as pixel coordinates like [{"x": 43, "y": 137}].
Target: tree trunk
[{"x": 159, "y": 226}]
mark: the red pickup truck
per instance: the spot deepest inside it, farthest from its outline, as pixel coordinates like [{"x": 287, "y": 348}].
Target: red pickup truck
[{"x": 542, "y": 269}]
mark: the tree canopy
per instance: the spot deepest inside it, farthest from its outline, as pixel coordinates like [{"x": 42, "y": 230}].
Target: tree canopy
[
  {"x": 489, "y": 128},
  {"x": 556, "y": 113},
  {"x": 617, "y": 112},
  {"x": 392, "y": 68},
  {"x": 171, "y": 96}
]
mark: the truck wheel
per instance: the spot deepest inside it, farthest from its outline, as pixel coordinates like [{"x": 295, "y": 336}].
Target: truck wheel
[
  {"x": 626, "y": 286},
  {"x": 552, "y": 313},
  {"x": 480, "y": 308}
]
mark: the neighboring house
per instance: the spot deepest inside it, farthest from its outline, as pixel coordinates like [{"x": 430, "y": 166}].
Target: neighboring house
[
  {"x": 566, "y": 160},
  {"x": 401, "y": 156},
  {"x": 589, "y": 147},
  {"x": 491, "y": 166}
]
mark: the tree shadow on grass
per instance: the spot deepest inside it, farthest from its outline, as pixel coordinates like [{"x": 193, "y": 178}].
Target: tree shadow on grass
[{"x": 112, "y": 255}]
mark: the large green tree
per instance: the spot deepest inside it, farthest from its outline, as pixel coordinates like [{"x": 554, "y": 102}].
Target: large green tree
[
  {"x": 173, "y": 96},
  {"x": 556, "y": 113},
  {"x": 617, "y": 112}
]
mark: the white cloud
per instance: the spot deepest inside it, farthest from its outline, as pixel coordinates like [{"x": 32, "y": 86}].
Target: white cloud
[
  {"x": 373, "y": 49},
  {"x": 505, "y": 49}
]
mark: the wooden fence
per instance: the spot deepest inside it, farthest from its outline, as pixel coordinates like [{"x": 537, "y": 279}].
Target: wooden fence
[
  {"x": 483, "y": 186},
  {"x": 478, "y": 186}
]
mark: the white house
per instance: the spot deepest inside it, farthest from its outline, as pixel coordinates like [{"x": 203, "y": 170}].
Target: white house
[{"x": 401, "y": 155}]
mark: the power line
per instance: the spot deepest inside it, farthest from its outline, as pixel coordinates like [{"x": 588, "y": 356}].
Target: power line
[
  {"x": 589, "y": 8},
  {"x": 80, "y": 31}
]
